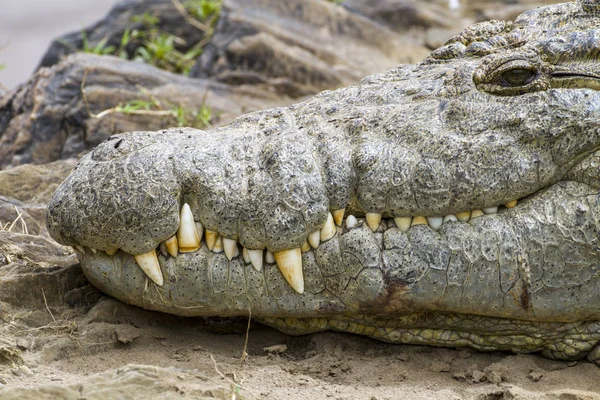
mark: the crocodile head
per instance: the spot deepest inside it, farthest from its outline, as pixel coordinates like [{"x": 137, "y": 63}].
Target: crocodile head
[{"x": 454, "y": 202}]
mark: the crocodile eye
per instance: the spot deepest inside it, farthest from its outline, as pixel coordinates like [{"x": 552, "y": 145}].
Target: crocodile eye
[{"x": 517, "y": 77}]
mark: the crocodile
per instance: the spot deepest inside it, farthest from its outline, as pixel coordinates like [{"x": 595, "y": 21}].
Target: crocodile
[{"x": 455, "y": 202}]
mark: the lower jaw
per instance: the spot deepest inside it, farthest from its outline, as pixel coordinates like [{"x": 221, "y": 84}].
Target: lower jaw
[{"x": 562, "y": 341}]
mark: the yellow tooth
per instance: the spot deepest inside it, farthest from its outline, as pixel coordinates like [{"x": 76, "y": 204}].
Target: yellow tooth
[
  {"x": 351, "y": 222},
  {"x": 463, "y": 216},
  {"x": 80, "y": 248},
  {"x": 163, "y": 249},
  {"x": 403, "y": 223},
  {"x": 218, "y": 247},
  {"x": 511, "y": 204},
  {"x": 418, "y": 221},
  {"x": 476, "y": 213},
  {"x": 290, "y": 266},
  {"x": 211, "y": 238},
  {"x": 246, "y": 255},
  {"x": 112, "y": 252},
  {"x": 373, "y": 220},
  {"x": 187, "y": 237},
  {"x": 269, "y": 257},
  {"x": 93, "y": 250},
  {"x": 172, "y": 246},
  {"x": 305, "y": 246},
  {"x": 256, "y": 258},
  {"x": 148, "y": 262},
  {"x": 328, "y": 230},
  {"x": 314, "y": 239},
  {"x": 230, "y": 247},
  {"x": 338, "y": 216}
]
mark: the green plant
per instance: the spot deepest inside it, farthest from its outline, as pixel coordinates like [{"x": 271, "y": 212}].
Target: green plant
[{"x": 204, "y": 10}]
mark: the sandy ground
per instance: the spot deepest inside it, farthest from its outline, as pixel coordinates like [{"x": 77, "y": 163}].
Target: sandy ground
[{"x": 28, "y": 26}]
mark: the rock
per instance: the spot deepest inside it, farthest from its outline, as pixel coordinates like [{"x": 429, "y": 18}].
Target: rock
[
  {"x": 122, "y": 17},
  {"x": 46, "y": 119},
  {"x": 300, "y": 47},
  {"x": 402, "y": 15},
  {"x": 276, "y": 349},
  {"x": 478, "y": 376},
  {"x": 535, "y": 376},
  {"x": 10, "y": 355},
  {"x": 126, "y": 333},
  {"x": 439, "y": 366}
]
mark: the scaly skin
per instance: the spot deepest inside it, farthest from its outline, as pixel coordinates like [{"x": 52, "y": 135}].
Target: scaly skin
[{"x": 501, "y": 112}]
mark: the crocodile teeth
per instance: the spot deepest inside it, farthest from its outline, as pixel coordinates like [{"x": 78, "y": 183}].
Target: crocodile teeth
[
  {"x": 314, "y": 239},
  {"x": 328, "y": 230},
  {"x": 338, "y": 216},
  {"x": 511, "y": 204},
  {"x": 230, "y": 247},
  {"x": 290, "y": 265},
  {"x": 187, "y": 237},
  {"x": 418, "y": 221},
  {"x": 450, "y": 217},
  {"x": 218, "y": 247},
  {"x": 403, "y": 223},
  {"x": 305, "y": 246},
  {"x": 148, "y": 262},
  {"x": 211, "y": 238},
  {"x": 463, "y": 216},
  {"x": 172, "y": 246},
  {"x": 112, "y": 252},
  {"x": 256, "y": 258},
  {"x": 435, "y": 222},
  {"x": 80, "y": 248},
  {"x": 351, "y": 222},
  {"x": 373, "y": 220},
  {"x": 93, "y": 250},
  {"x": 476, "y": 213},
  {"x": 269, "y": 257},
  {"x": 246, "y": 255},
  {"x": 490, "y": 210}
]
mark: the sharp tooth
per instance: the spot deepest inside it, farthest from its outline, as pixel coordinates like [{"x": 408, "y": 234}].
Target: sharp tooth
[
  {"x": 373, "y": 220},
  {"x": 314, "y": 239},
  {"x": 463, "y": 216},
  {"x": 148, "y": 262},
  {"x": 435, "y": 222},
  {"x": 230, "y": 247},
  {"x": 290, "y": 266},
  {"x": 246, "y": 255},
  {"x": 418, "y": 221},
  {"x": 338, "y": 216},
  {"x": 218, "y": 247},
  {"x": 211, "y": 238},
  {"x": 187, "y": 237},
  {"x": 112, "y": 252},
  {"x": 476, "y": 213},
  {"x": 328, "y": 230},
  {"x": 403, "y": 223},
  {"x": 511, "y": 204},
  {"x": 351, "y": 222},
  {"x": 256, "y": 258},
  {"x": 80, "y": 248},
  {"x": 269, "y": 257},
  {"x": 93, "y": 250},
  {"x": 305, "y": 246},
  {"x": 490, "y": 210},
  {"x": 450, "y": 218},
  {"x": 172, "y": 246}
]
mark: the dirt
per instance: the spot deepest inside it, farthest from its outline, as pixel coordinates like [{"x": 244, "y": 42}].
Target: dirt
[{"x": 145, "y": 354}]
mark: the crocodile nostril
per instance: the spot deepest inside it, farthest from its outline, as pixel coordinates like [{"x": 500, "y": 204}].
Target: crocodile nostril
[{"x": 118, "y": 143}]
